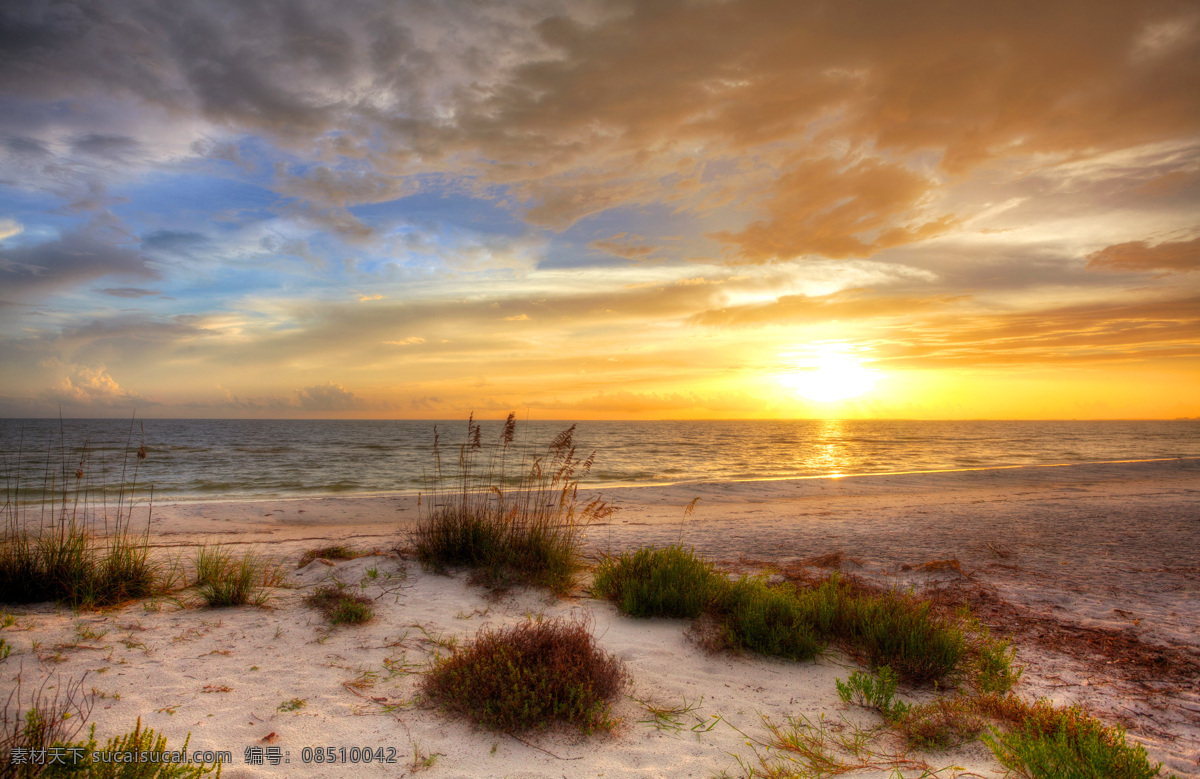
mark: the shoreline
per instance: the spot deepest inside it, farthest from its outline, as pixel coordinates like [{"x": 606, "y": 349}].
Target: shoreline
[
  {"x": 1093, "y": 567},
  {"x": 619, "y": 485}
]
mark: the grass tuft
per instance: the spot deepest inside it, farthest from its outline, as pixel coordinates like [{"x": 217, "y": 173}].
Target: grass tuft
[
  {"x": 890, "y": 628},
  {"x": 1042, "y": 741},
  {"x": 875, "y": 691},
  {"x": 228, "y": 581},
  {"x": 339, "y": 606},
  {"x": 900, "y": 630},
  {"x": 769, "y": 620},
  {"x": 139, "y": 754},
  {"x": 71, "y": 546},
  {"x": 529, "y": 676},
  {"x": 524, "y": 530},
  {"x": 941, "y": 724},
  {"x": 648, "y": 582}
]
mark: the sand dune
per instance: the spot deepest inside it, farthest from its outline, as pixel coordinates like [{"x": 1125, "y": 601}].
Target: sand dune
[{"x": 1096, "y": 568}]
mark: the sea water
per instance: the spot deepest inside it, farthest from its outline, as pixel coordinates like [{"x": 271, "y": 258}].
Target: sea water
[{"x": 190, "y": 459}]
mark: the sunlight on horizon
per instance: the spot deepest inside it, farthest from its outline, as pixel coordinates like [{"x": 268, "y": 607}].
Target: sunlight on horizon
[{"x": 834, "y": 373}]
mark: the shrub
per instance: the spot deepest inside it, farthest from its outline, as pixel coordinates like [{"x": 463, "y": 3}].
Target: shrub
[
  {"x": 1033, "y": 740},
  {"x": 1044, "y": 742},
  {"x": 72, "y": 565},
  {"x": 769, "y": 620},
  {"x": 648, "y": 582},
  {"x": 899, "y": 630},
  {"x": 993, "y": 665},
  {"x": 528, "y": 676},
  {"x": 236, "y": 582},
  {"x": 941, "y": 724},
  {"x": 890, "y": 628},
  {"x": 1088, "y": 754},
  {"x": 527, "y": 531},
  {"x": 136, "y": 755},
  {"x": 339, "y": 606},
  {"x": 874, "y": 690}
]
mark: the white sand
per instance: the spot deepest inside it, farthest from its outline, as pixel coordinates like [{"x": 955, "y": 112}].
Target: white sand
[{"x": 1099, "y": 546}]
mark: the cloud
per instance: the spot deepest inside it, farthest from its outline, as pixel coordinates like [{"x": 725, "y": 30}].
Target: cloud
[
  {"x": 828, "y": 208},
  {"x": 90, "y": 386},
  {"x": 328, "y": 397},
  {"x": 1172, "y": 257},
  {"x": 82, "y": 254},
  {"x": 130, "y": 292},
  {"x": 23, "y": 146},
  {"x": 619, "y": 246},
  {"x": 853, "y": 304},
  {"x": 174, "y": 241},
  {"x": 9, "y": 228},
  {"x": 577, "y": 109},
  {"x": 397, "y": 146},
  {"x": 1096, "y": 332},
  {"x": 101, "y": 145}
]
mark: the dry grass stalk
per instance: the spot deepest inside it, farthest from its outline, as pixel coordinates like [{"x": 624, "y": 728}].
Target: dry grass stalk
[{"x": 524, "y": 527}]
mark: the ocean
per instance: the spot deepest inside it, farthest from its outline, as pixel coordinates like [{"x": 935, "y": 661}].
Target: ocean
[{"x": 190, "y": 459}]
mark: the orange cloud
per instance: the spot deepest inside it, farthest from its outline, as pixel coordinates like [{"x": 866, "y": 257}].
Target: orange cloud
[
  {"x": 1178, "y": 256},
  {"x": 846, "y": 305},
  {"x": 822, "y": 207},
  {"x": 1095, "y": 332}
]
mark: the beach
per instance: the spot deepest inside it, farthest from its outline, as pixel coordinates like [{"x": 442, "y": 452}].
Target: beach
[{"x": 1094, "y": 568}]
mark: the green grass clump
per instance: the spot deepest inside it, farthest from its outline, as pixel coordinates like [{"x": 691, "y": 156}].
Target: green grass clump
[
  {"x": 339, "y": 606},
  {"x": 72, "y": 545},
  {"x": 136, "y": 755},
  {"x": 528, "y": 676},
  {"x": 1042, "y": 741},
  {"x": 990, "y": 663},
  {"x": 228, "y": 581},
  {"x": 876, "y": 691},
  {"x": 510, "y": 530},
  {"x": 210, "y": 563},
  {"x": 893, "y": 629},
  {"x": 649, "y": 582},
  {"x": 900, "y": 631},
  {"x": 769, "y": 620},
  {"x": 73, "y": 565},
  {"x": 1032, "y": 740}
]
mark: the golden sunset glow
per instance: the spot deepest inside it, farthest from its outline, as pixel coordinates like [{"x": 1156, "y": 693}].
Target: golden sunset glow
[
  {"x": 750, "y": 208},
  {"x": 836, "y": 375}
]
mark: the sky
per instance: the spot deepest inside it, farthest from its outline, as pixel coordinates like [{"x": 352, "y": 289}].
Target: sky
[{"x": 592, "y": 210}]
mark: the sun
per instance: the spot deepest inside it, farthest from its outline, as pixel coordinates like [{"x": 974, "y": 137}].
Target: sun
[{"x": 833, "y": 373}]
